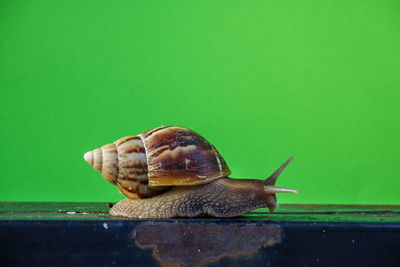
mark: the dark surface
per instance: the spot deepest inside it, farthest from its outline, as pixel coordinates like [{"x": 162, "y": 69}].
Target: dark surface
[{"x": 83, "y": 234}]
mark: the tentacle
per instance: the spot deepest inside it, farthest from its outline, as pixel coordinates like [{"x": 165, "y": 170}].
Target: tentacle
[{"x": 272, "y": 179}]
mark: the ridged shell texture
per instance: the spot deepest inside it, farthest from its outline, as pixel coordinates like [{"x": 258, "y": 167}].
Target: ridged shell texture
[{"x": 146, "y": 165}]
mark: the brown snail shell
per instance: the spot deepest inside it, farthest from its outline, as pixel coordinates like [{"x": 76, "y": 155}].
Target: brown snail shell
[{"x": 147, "y": 164}]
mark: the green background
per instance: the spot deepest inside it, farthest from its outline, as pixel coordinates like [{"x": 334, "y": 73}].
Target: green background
[{"x": 262, "y": 80}]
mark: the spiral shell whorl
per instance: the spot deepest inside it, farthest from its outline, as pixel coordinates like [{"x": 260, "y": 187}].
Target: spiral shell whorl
[
  {"x": 105, "y": 161},
  {"x": 109, "y": 168},
  {"x": 124, "y": 164},
  {"x": 178, "y": 156}
]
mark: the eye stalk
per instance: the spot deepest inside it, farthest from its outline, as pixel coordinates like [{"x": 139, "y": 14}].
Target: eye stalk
[
  {"x": 273, "y": 190},
  {"x": 269, "y": 188}
]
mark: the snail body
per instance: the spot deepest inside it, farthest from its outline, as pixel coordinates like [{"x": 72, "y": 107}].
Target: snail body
[{"x": 170, "y": 172}]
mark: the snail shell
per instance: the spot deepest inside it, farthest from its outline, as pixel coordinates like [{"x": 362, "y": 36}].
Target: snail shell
[{"x": 148, "y": 164}]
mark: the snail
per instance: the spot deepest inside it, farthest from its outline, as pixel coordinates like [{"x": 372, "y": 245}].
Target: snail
[{"x": 171, "y": 172}]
